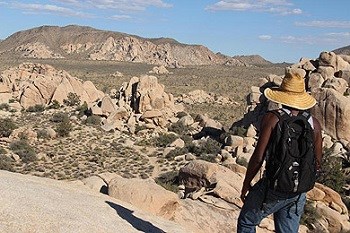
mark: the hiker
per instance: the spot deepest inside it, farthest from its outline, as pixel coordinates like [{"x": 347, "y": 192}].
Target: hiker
[{"x": 261, "y": 199}]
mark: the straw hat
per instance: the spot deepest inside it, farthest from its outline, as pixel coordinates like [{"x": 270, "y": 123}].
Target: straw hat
[{"x": 291, "y": 93}]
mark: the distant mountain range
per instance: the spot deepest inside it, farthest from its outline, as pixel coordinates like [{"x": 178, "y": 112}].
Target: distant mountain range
[
  {"x": 344, "y": 50},
  {"x": 81, "y": 42}
]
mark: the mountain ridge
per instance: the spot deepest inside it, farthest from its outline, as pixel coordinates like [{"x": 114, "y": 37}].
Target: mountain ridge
[
  {"x": 84, "y": 42},
  {"x": 343, "y": 50}
]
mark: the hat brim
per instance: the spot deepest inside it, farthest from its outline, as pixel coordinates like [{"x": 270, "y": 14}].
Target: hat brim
[{"x": 299, "y": 101}]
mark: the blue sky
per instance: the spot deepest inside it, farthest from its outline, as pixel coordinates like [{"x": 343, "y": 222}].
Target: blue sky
[{"x": 278, "y": 30}]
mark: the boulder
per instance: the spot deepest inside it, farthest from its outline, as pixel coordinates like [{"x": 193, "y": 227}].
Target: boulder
[{"x": 62, "y": 206}]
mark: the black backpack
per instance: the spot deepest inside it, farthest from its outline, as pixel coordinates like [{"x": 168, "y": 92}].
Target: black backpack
[{"x": 290, "y": 158}]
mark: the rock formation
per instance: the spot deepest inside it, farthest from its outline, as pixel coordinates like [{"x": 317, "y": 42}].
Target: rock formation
[
  {"x": 326, "y": 78},
  {"x": 142, "y": 100},
  {"x": 36, "y": 84},
  {"x": 34, "y": 204},
  {"x": 36, "y": 50}
]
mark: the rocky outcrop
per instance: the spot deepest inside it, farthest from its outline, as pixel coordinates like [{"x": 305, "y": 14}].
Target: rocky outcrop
[
  {"x": 136, "y": 50},
  {"x": 210, "y": 215},
  {"x": 45, "y": 205},
  {"x": 326, "y": 78},
  {"x": 142, "y": 100},
  {"x": 32, "y": 84},
  {"x": 36, "y": 50},
  {"x": 201, "y": 176},
  {"x": 331, "y": 209}
]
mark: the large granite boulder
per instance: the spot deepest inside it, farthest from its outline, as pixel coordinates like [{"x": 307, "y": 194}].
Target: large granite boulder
[{"x": 33, "y": 84}]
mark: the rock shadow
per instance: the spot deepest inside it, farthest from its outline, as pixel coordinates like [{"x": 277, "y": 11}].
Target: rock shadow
[{"x": 136, "y": 222}]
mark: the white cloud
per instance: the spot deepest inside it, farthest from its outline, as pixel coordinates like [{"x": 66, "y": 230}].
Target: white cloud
[
  {"x": 340, "y": 34},
  {"x": 282, "y": 7},
  {"x": 48, "y": 9},
  {"x": 71, "y": 7},
  {"x": 126, "y": 5},
  {"x": 265, "y": 37},
  {"x": 325, "y": 24},
  {"x": 120, "y": 17},
  {"x": 325, "y": 39}
]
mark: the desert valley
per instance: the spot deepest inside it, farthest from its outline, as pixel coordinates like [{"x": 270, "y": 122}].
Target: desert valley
[{"x": 108, "y": 132}]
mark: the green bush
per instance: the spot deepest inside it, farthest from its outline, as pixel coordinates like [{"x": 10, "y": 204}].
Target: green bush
[
  {"x": 310, "y": 215},
  {"x": 169, "y": 181},
  {"x": 42, "y": 133},
  {"x": 23, "y": 150},
  {"x": 209, "y": 146},
  {"x": 178, "y": 128},
  {"x": 36, "y": 108},
  {"x": 5, "y": 163},
  {"x": 176, "y": 152},
  {"x": 2, "y": 151},
  {"x": 93, "y": 120},
  {"x": 4, "y": 106},
  {"x": 331, "y": 173},
  {"x": 164, "y": 139},
  {"x": 6, "y": 127},
  {"x": 242, "y": 161},
  {"x": 181, "y": 114},
  {"x": 139, "y": 127},
  {"x": 83, "y": 109},
  {"x": 64, "y": 128},
  {"x": 239, "y": 131},
  {"x": 54, "y": 105},
  {"x": 59, "y": 117},
  {"x": 72, "y": 99}
]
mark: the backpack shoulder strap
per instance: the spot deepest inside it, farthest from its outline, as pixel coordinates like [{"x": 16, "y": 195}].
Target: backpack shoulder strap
[
  {"x": 280, "y": 114},
  {"x": 305, "y": 114}
]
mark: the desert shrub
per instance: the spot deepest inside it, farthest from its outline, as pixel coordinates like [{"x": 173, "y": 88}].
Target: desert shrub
[
  {"x": 93, "y": 120},
  {"x": 54, "y": 105},
  {"x": 23, "y": 150},
  {"x": 176, "y": 152},
  {"x": 178, "y": 128},
  {"x": 42, "y": 133},
  {"x": 2, "y": 151},
  {"x": 6, "y": 127},
  {"x": 4, "y": 106},
  {"x": 139, "y": 127},
  {"x": 207, "y": 157},
  {"x": 242, "y": 161},
  {"x": 239, "y": 131},
  {"x": 164, "y": 139},
  {"x": 59, "y": 117},
  {"x": 310, "y": 215},
  {"x": 209, "y": 146},
  {"x": 181, "y": 114},
  {"x": 187, "y": 139},
  {"x": 83, "y": 109},
  {"x": 64, "y": 128},
  {"x": 5, "y": 163},
  {"x": 36, "y": 108},
  {"x": 72, "y": 99},
  {"x": 331, "y": 174},
  {"x": 169, "y": 181}
]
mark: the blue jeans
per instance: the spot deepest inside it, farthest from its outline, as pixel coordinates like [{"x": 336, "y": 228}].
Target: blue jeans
[{"x": 286, "y": 209}]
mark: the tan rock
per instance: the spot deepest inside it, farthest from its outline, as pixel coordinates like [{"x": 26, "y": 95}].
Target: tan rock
[
  {"x": 154, "y": 199},
  {"x": 332, "y": 111}
]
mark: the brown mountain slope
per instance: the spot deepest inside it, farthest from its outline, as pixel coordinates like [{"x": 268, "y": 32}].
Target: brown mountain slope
[
  {"x": 253, "y": 60},
  {"x": 344, "y": 50},
  {"x": 80, "y": 42}
]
